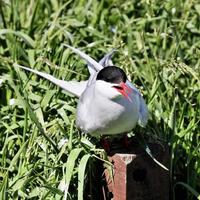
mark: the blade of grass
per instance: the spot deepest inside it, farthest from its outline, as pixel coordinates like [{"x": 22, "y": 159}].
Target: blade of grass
[
  {"x": 189, "y": 188},
  {"x": 69, "y": 168},
  {"x": 81, "y": 175},
  {"x": 27, "y": 39}
]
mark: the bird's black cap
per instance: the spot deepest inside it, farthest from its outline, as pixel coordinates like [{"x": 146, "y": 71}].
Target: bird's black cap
[{"x": 112, "y": 74}]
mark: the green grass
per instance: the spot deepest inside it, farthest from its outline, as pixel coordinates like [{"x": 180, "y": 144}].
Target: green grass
[{"x": 159, "y": 48}]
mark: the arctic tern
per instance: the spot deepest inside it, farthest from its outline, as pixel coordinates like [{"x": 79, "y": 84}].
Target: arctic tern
[{"x": 108, "y": 103}]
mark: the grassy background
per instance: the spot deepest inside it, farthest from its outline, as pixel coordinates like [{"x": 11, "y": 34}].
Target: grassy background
[{"x": 159, "y": 48}]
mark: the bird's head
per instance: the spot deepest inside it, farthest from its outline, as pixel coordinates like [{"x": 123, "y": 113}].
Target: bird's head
[{"x": 111, "y": 83}]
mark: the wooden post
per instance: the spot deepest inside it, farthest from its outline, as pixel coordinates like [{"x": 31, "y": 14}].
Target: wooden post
[{"x": 137, "y": 176}]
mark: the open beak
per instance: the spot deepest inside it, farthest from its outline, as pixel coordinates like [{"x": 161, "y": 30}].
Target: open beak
[{"x": 123, "y": 89}]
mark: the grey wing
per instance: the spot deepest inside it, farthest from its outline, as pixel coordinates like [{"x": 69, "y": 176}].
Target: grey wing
[
  {"x": 143, "y": 113},
  {"x": 107, "y": 59},
  {"x": 73, "y": 87},
  {"x": 143, "y": 110},
  {"x": 104, "y": 62},
  {"x": 93, "y": 65}
]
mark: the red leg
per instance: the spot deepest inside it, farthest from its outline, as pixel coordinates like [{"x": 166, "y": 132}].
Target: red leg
[
  {"x": 105, "y": 144},
  {"x": 125, "y": 141}
]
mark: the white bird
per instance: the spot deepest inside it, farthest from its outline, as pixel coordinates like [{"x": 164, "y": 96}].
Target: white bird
[{"x": 108, "y": 103}]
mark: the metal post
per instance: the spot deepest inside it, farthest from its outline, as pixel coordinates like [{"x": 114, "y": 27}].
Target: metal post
[{"x": 137, "y": 176}]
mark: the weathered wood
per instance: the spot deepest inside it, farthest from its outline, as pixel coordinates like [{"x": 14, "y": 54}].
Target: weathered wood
[{"x": 137, "y": 176}]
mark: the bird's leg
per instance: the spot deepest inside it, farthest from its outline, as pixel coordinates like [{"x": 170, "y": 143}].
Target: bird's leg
[
  {"x": 105, "y": 142},
  {"x": 125, "y": 141}
]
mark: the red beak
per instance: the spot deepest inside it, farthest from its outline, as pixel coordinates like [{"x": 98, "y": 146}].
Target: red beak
[{"x": 124, "y": 90}]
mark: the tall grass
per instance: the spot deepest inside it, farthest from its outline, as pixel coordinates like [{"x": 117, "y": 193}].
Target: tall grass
[{"x": 42, "y": 155}]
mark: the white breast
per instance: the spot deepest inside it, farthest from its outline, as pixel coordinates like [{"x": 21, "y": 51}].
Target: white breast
[{"x": 98, "y": 115}]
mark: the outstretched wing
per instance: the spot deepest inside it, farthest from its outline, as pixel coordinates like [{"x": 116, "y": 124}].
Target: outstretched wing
[
  {"x": 94, "y": 66},
  {"x": 73, "y": 87},
  {"x": 106, "y": 60}
]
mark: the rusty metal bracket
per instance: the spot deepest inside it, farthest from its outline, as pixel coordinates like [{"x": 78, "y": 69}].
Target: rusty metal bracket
[{"x": 137, "y": 176}]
